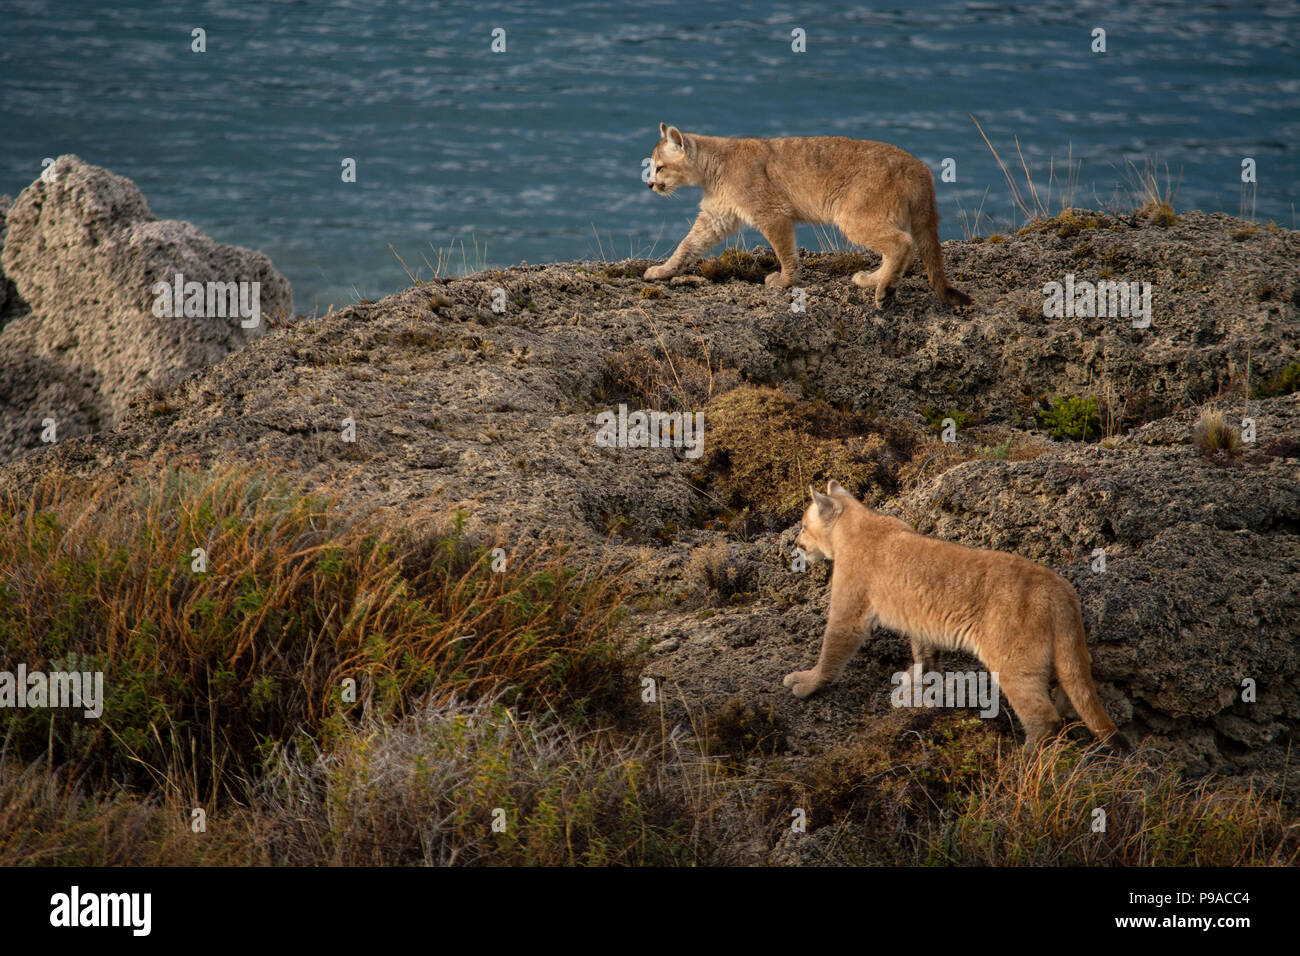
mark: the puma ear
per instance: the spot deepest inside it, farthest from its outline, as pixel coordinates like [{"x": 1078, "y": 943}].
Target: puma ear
[
  {"x": 663, "y": 130},
  {"x": 833, "y": 487},
  {"x": 827, "y": 508},
  {"x": 675, "y": 137}
]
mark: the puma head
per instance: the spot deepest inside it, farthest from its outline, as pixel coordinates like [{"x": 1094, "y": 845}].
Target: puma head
[
  {"x": 815, "y": 535},
  {"x": 671, "y": 163}
]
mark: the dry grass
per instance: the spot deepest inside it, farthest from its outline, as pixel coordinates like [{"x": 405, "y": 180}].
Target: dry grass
[
  {"x": 666, "y": 378},
  {"x": 1246, "y": 209},
  {"x": 429, "y": 790},
  {"x": 831, "y": 241},
  {"x": 1213, "y": 434},
  {"x": 1033, "y": 203},
  {"x": 952, "y": 793},
  {"x": 973, "y": 224},
  {"x": 1153, "y": 193},
  {"x": 204, "y": 671},
  {"x": 932, "y": 457},
  {"x": 453, "y": 783},
  {"x": 458, "y": 783},
  {"x": 718, "y": 574},
  {"x": 1039, "y": 809},
  {"x": 49, "y": 818},
  {"x": 444, "y": 263},
  {"x": 607, "y": 248}
]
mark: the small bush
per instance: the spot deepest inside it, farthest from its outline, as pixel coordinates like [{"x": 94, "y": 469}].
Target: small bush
[
  {"x": 1067, "y": 225},
  {"x": 1284, "y": 382},
  {"x": 714, "y": 570},
  {"x": 422, "y": 337},
  {"x": 740, "y": 730},
  {"x": 1213, "y": 433},
  {"x": 1072, "y": 416},
  {"x": 622, "y": 271},
  {"x": 932, "y": 457},
  {"x": 1160, "y": 213},
  {"x": 998, "y": 452},
  {"x": 934, "y": 418}
]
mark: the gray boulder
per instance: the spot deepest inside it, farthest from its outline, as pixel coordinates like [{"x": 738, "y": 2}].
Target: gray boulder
[
  {"x": 8, "y": 295},
  {"x": 87, "y": 257}
]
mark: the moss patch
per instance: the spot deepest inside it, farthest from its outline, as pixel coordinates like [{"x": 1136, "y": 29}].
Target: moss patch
[
  {"x": 766, "y": 447},
  {"x": 739, "y": 264}
]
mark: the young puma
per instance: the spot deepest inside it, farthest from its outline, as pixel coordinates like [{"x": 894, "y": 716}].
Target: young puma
[
  {"x": 878, "y": 195},
  {"x": 1020, "y": 619}
]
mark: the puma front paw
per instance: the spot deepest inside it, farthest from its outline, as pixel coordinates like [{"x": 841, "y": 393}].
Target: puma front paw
[
  {"x": 779, "y": 280},
  {"x": 802, "y": 683},
  {"x": 659, "y": 272}
]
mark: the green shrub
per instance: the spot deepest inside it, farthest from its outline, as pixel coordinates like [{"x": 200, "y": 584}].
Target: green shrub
[
  {"x": 1072, "y": 416},
  {"x": 1284, "y": 382},
  {"x": 998, "y": 452},
  {"x": 934, "y": 418}
]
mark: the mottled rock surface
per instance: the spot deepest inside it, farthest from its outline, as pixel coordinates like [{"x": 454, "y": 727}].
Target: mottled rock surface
[
  {"x": 82, "y": 253},
  {"x": 495, "y": 411}
]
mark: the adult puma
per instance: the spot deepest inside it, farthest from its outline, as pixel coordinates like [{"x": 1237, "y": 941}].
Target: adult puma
[
  {"x": 1020, "y": 619},
  {"x": 878, "y": 195}
]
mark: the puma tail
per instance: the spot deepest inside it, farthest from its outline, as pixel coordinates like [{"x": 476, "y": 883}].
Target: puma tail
[
  {"x": 1074, "y": 671},
  {"x": 926, "y": 236}
]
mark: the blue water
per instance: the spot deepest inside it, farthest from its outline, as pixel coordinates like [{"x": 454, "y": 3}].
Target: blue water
[{"x": 535, "y": 153}]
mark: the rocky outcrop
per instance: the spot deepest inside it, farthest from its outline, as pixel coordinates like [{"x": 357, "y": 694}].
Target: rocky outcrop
[
  {"x": 455, "y": 402},
  {"x": 1188, "y": 569},
  {"x": 8, "y": 294},
  {"x": 84, "y": 253}
]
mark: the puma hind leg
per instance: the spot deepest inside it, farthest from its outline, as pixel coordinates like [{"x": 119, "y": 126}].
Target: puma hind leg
[
  {"x": 923, "y": 662},
  {"x": 896, "y": 248},
  {"x": 1026, "y": 690}
]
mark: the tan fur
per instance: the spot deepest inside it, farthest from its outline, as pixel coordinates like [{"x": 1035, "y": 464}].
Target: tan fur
[
  {"x": 1020, "y": 619},
  {"x": 878, "y": 195}
]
